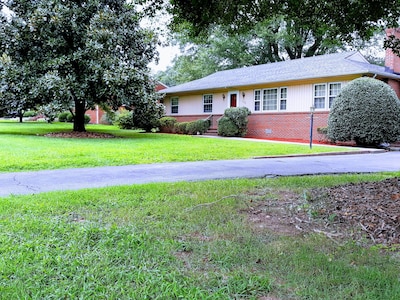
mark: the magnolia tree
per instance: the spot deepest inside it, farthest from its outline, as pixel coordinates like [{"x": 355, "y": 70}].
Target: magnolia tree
[
  {"x": 366, "y": 111},
  {"x": 77, "y": 54}
]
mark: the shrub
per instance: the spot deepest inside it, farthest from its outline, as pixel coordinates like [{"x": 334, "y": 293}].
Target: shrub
[
  {"x": 70, "y": 117},
  {"x": 87, "y": 119},
  {"x": 167, "y": 124},
  {"x": 234, "y": 122},
  {"x": 366, "y": 111},
  {"x": 62, "y": 117},
  {"x": 181, "y": 127},
  {"x": 124, "y": 120},
  {"x": 30, "y": 114},
  {"x": 198, "y": 126}
]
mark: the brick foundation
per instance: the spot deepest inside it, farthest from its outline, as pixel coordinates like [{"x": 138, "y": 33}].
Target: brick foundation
[
  {"x": 286, "y": 126},
  {"x": 282, "y": 126}
]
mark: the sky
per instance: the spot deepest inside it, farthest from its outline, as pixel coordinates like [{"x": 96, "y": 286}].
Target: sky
[{"x": 167, "y": 54}]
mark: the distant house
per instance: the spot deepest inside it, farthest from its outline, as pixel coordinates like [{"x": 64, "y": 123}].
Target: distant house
[
  {"x": 279, "y": 95},
  {"x": 96, "y": 114}
]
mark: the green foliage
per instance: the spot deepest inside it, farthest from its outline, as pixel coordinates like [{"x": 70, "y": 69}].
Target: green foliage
[
  {"x": 167, "y": 124},
  {"x": 62, "y": 117},
  {"x": 181, "y": 127},
  {"x": 366, "y": 111},
  {"x": 291, "y": 29},
  {"x": 124, "y": 120},
  {"x": 77, "y": 54},
  {"x": 66, "y": 116},
  {"x": 30, "y": 113},
  {"x": 234, "y": 122},
  {"x": 147, "y": 114},
  {"x": 198, "y": 126}
]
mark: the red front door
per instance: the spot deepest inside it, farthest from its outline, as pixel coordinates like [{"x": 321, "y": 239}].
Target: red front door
[{"x": 233, "y": 100}]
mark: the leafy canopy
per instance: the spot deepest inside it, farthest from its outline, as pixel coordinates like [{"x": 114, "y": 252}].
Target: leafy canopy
[
  {"x": 219, "y": 35},
  {"x": 76, "y": 54}
]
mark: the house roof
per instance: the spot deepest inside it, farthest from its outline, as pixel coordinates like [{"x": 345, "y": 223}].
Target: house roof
[{"x": 330, "y": 65}]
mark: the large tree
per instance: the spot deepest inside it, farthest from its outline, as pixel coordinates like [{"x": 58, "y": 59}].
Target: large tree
[
  {"x": 297, "y": 28},
  {"x": 78, "y": 54}
]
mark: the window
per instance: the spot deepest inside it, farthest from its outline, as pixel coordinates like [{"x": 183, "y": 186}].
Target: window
[
  {"x": 270, "y": 97},
  {"x": 174, "y": 105},
  {"x": 325, "y": 94},
  {"x": 319, "y": 95},
  {"x": 334, "y": 90},
  {"x": 257, "y": 100},
  {"x": 207, "y": 103},
  {"x": 283, "y": 99}
]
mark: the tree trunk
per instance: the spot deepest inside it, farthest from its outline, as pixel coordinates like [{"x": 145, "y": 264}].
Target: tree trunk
[{"x": 79, "y": 116}]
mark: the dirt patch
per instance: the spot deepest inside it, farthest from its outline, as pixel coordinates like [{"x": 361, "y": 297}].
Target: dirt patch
[
  {"x": 80, "y": 135},
  {"x": 368, "y": 213}
]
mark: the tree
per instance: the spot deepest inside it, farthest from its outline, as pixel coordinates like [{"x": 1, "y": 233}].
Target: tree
[
  {"x": 366, "y": 111},
  {"x": 296, "y": 28},
  {"x": 78, "y": 53}
]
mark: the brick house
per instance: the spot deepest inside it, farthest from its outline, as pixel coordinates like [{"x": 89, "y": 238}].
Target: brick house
[
  {"x": 279, "y": 95},
  {"x": 96, "y": 114}
]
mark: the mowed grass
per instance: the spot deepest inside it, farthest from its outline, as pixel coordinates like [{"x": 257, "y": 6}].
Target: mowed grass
[
  {"x": 180, "y": 241},
  {"x": 23, "y": 147}
]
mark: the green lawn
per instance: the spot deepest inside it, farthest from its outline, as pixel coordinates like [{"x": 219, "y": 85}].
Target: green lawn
[
  {"x": 180, "y": 241},
  {"x": 187, "y": 240},
  {"x": 23, "y": 147}
]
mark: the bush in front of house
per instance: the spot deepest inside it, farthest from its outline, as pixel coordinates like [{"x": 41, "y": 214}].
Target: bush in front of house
[
  {"x": 366, "y": 111},
  {"x": 181, "y": 127},
  {"x": 234, "y": 122},
  {"x": 167, "y": 124},
  {"x": 198, "y": 126}
]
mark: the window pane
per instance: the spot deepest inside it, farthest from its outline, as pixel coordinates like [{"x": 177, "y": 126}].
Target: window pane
[
  {"x": 174, "y": 105},
  {"x": 282, "y": 104},
  {"x": 319, "y": 95},
  {"x": 257, "y": 100},
  {"x": 207, "y": 103},
  {"x": 334, "y": 90},
  {"x": 270, "y": 98}
]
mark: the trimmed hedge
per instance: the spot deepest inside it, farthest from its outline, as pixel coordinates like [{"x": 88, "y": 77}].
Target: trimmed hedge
[
  {"x": 366, "y": 111},
  {"x": 234, "y": 122}
]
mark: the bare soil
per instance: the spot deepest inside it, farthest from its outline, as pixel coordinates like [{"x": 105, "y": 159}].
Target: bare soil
[{"x": 368, "y": 213}]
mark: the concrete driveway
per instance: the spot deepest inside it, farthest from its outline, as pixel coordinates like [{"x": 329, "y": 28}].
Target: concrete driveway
[{"x": 74, "y": 179}]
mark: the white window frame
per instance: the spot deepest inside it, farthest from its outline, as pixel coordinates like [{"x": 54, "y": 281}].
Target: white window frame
[
  {"x": 333, "y": 93},
  {"x": 257, "y": 100},
  {"x": 325, "y": 99},
  {"x": 319, "y": 96},
  {"x": 208, "y": 103},
  {"x": 174, "y": 106},
  {"x": 283, "y": 98},
  {"x": 271, "y": 99}
]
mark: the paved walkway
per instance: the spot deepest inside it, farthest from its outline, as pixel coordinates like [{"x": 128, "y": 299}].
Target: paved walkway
[{"x": 74, "y": 179}]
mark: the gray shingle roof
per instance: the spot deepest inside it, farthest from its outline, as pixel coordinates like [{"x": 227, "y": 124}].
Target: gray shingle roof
[{"x": 345, "y": 63}]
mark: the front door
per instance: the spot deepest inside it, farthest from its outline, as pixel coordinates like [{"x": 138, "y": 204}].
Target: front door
[{"x": 233, "y": 98}]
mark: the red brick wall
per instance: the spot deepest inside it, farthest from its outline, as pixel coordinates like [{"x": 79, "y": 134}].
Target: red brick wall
[
  {"x": 95, "y": 115},
  {"x": 288, "y": 126},
  {"x": 283, "y": 126}
]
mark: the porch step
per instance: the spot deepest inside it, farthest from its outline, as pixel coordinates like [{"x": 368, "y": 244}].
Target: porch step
[{"x": 212, "y": 131}]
